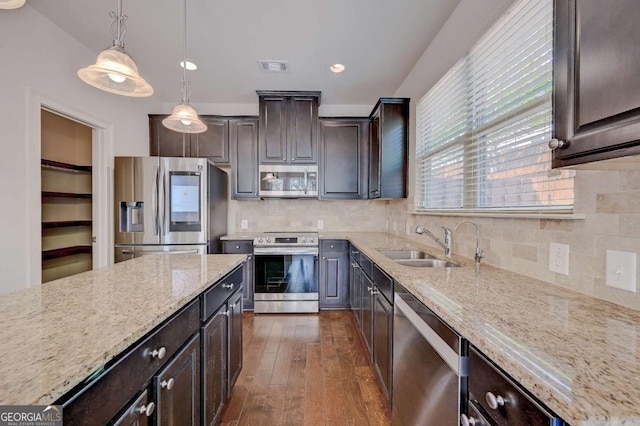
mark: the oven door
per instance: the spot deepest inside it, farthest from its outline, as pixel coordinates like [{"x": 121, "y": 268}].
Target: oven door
[{"x": 286, "y": 276}]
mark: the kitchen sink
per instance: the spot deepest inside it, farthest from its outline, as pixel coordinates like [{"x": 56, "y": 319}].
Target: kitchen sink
[
  {"x": 426, "y": 263},
  {"x": 406, "y": 254}
]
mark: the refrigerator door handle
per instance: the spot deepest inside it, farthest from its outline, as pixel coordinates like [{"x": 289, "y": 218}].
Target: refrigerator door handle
[
  {"x": 164, "y": 204},
  {"x": 156, "y": 202}
]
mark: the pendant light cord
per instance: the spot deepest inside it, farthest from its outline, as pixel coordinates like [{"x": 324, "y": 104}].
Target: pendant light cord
[{"x": 185, "y": 84}]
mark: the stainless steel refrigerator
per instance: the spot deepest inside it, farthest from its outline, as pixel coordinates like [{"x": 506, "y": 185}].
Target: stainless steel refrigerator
[{"x": 168, "y": 205}]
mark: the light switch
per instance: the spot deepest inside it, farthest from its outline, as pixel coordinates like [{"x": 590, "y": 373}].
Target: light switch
[
  {"x": 320, "y": 224},
  {"x": 244, "y": 224},
  {"x": 621, "y": 270}
]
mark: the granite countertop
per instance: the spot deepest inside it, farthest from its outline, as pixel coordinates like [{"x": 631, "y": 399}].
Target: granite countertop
[
  {"x": 54, "y": 336},
  {"x": 577, "y": 354}
]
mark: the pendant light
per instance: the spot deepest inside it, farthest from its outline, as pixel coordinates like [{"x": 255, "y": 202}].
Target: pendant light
[
  {"x": 184, "y": 117},
  {"x": 114, "y": 70}
]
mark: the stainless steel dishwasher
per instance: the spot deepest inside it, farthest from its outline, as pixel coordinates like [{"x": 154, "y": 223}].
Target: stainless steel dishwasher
[{"x": 429, "y": 366}]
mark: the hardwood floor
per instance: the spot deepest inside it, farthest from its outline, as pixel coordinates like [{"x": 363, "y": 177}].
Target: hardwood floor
[{"x": 305, "y": 370}]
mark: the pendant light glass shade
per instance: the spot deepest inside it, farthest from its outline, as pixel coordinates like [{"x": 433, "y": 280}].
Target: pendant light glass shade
[
  {"x": 11, "y": 4},
  {"x": 184, "y": 119},
  {"x": 114, "y": 70}
]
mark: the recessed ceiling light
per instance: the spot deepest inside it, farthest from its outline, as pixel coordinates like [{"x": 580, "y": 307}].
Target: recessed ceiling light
[
  {"x": 190, "y": 66},
  {"x": 11, "y": 4},
  {"x": 337, "y": 68}
]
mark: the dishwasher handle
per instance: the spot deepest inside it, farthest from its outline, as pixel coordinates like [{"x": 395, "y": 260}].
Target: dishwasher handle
[{"x": 445, "y": 351}]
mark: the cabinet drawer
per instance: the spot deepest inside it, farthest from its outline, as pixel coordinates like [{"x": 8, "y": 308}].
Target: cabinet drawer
[
  {"x": 213, "y": 298},
  {"x": 138, "y": 413},
  {"x": 338, "y": 246},
  {"x": 516, "y": 408},
  {"x": 383, "y": 282},
  {"x": 367, "y": 265},
  {"x": 237, "y": 246},
  {"x": 101, "y": 400}
]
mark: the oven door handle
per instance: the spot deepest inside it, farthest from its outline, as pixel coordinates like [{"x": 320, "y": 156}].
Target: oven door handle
[{"x": 257, "y": 251}]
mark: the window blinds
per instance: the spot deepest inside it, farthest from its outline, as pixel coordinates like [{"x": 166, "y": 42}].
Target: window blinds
[{"x": 482, "y": 130}]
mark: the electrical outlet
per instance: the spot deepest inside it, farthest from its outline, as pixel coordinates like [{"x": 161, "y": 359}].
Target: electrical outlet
[
  {"x": 320, "y": 224},
  {"x": 621, "y": 270},
  {"x": 559, "y": 258},
  {"x": 244, "y": 224}
]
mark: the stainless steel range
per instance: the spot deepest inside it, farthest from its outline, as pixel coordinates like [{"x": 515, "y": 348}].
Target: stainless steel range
[{"x": 286, "y": 272}]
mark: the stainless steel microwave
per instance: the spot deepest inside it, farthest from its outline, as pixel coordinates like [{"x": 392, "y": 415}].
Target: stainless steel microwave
[{"x": 288, "y": 181}]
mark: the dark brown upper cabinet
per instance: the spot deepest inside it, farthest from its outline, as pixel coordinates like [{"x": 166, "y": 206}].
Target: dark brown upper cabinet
[
  {"x": 243, "y": 137},
  {"x": 596, "y": 84},
  {"x": 389, "y": 148},
  {"x": 288, "y": 127},
  {"x": 343, "y": 158},
  {"x": 212, "y": 144}
]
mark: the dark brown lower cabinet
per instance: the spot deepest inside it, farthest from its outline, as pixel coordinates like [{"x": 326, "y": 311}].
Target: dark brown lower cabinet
[
  {"x": 334, "y": 274},
  {"x": 214, "y": 367},
  {"x": 177, "y": 388},
  {"x": 181, "y": 373}
]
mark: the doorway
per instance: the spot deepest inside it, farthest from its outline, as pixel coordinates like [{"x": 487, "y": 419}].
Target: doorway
[{"x": 67, "y": 196}]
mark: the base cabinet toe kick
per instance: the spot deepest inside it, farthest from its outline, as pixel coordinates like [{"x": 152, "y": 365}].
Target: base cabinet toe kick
[{"x": 181, "y": 372}]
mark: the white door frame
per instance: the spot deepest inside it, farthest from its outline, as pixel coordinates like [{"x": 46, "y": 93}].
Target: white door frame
[{"x": 102, "y": 175}]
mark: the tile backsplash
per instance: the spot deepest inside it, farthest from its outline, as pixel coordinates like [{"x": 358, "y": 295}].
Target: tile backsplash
[
  {"x": 303, "y": 215},
  {"x": 610, "y": 203}
]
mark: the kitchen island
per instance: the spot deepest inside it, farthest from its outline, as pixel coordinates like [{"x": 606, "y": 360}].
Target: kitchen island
[
  {"x": 577, "y": 354},
  {"x": 56, "y": 335}
]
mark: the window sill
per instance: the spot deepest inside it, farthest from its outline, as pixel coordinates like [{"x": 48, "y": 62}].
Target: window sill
[{"x": 505, "y": 215}]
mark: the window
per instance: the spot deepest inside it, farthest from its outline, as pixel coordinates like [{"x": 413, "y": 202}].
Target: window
[{"x": 482, "y": 130}]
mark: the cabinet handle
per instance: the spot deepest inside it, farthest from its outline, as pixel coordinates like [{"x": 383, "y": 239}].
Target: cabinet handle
[
  {"x": 558, "y": 144},
  {"x": 229, "y": 286},
  {"x": 369, "y": 288},
  {"x": 467, "y": 421},
  {"x": 248, "y": 257},
  {"x": 168, "y": 384},
  {"x": 494, "y": 401},
  {"x": 226, "y": 313},
  {"x": 331, "y": 246},
  {"x": 374, "y": 292},
  {"x": 148, "y": 409},
  {"x": 324, "y": 258},
  {"x": 159, "y": 353},
  {"x": 237, "y": 247},
  {"x": 232, "y": 306}
]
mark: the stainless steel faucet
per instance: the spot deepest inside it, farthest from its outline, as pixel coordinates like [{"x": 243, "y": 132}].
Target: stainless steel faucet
[
  {"x": 479, "y": 252},
  {"x": 420, "y": 229}
]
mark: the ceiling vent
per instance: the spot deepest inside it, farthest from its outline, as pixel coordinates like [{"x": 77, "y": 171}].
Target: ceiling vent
[{"x": 273, "y": 66}]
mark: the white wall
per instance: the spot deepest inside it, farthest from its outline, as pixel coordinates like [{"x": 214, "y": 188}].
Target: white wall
[{"x": 38, "y": 62}]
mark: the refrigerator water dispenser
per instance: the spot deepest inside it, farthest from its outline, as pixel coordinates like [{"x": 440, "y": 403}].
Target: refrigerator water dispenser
[{"x": 131, "y": 216}]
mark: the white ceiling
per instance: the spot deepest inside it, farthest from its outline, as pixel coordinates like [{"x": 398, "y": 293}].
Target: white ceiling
[{"x": 379, "y": 41}]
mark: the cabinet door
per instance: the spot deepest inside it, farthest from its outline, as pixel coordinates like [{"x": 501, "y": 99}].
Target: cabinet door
[
  {"x": 366, "y": 307},
  {"x": 177, "y": 388},
  {"x": 302, "y": 132},
  {"x": 343, "y": 159},
  {"x": 234, "y": 309},
  {"x": 374, "y": 157},
  {"x": 394, "y": 147},
  {"x": 214, "y": 143},
  {"x": 596, "y": 86},
  {"x": 273, "y": 129},
  {"x": 138, "y": 413},
  {"x": 164, "y": 142},
  {"x": 214, "y": 367},
  {"x": 383, "y": 339},
  {"x": 243, "y": 140},
  {"x": 334, "y": 280}
]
